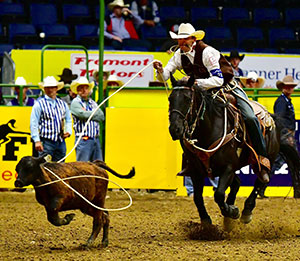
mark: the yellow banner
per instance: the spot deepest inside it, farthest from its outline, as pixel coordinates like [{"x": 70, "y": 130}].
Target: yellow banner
[{"x": 15, "y": 142}]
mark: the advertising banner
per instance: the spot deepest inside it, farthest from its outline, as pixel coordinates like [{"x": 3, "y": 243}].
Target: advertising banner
[
  {"x": 16, "y": 142},
  {"x": 124, "y": 66},
  {"x": 272, "y": 67}
]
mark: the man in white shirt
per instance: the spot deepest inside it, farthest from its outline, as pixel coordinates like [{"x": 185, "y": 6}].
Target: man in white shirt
[{"x": 211, "y": 70}]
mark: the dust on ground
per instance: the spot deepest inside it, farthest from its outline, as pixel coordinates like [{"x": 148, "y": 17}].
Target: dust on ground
[{"x": 158, "y": 226}]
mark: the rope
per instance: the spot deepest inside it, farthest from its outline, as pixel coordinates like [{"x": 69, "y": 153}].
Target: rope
[
  {"x": 78, "y": 194},
  {"x": 80, "y": 136}
]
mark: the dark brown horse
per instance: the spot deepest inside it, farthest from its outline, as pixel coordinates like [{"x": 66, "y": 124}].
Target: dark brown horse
[{"x": 214, "y": 147}]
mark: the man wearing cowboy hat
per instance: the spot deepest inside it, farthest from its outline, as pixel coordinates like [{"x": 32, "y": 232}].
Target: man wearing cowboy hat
[
  {"x": 284, "y": 108},
  {"x": 82, "y": 107},
  {"x": 119, "y": 27},
  {"x": 48, "y": 117},
  {"x": 211, "y": 70},
  {"x": 27, "y": 101},
  {"x": 235, "y": 58}
]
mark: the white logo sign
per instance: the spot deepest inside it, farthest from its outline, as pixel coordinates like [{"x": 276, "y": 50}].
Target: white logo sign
[{"x": 124, "y": 66}]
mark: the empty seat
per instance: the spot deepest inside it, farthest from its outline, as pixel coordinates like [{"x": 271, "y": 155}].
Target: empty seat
[
  {"x": 156, "y": 35},
  {"x": 236, "y": 17},
  {"x": 226, "y": 3},
  {"x": 75, "y": 13},
  {"x": 43, "y": 14},
  {"x": 249, "y": 38},
  {"x": 267, "y": 17},
  {"x": 57, "y": 34},
  {"x": 292, "y": 17},
  {"x": 292, "y": 50},
  {"x": 22, "y": 33},
  {"x": 3, "y": 37},
  {"x": 33, "y": 46},
  {"x": 256, "y": 3},
  {"x": 265, "y": 50},
  {"x": 5, "y": 48},
  {"x": 204, "y": 17},
  {"x": 172, "y": 15},
  {"x": 87, "y": 34},
  {"x": 12, "y": 13},
  {"x": 219, "y": 37},
  {"x": 283, "y": 38}
]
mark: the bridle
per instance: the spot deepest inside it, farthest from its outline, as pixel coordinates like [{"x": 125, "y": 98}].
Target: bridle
[{"x": 188, "y": 130}]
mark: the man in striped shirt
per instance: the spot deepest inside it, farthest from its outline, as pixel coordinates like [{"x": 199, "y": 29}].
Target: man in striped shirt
[
  {"x": 50, "y": 121},
  {"x": 82, "y": 107}
]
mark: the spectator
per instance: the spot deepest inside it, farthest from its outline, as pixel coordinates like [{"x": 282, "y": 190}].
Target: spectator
[
  {"x": 252, "y": 81},
  {"x": 188, "y": 183},
  {"x": 120, "y": 29},
  {"x": 235, "y": 58},
  {"x": 112, "y": 81},
  {"x": 106, "y": 74},
  {"x": 67, "y": 76},
  {"x": 82, "y": 107},
  {"x": 2, "y": 102},
  {"x": 147, "y": 10},
  {"x": 48, "y": 117},
  {"x": 284, "y": 108},
  {"x": 27, "y": 101}
]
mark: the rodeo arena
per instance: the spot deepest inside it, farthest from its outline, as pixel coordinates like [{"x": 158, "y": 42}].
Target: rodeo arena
[{"x": 150, "y": 130}]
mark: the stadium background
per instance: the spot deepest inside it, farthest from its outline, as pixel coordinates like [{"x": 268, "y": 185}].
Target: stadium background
[{"x": 137, "y": 136}]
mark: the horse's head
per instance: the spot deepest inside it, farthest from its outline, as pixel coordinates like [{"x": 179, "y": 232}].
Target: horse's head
[{"x": 179, "y": 106}]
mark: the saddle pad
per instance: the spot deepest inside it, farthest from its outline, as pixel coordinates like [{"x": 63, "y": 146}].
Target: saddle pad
[{"x": 262, "y": 114}]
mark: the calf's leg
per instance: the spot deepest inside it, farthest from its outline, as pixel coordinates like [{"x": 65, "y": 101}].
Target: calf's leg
[
  {"x": 55, "y": 220},
  {"x": 105, "y": 221},
  {"x": 97, "y": 224}
]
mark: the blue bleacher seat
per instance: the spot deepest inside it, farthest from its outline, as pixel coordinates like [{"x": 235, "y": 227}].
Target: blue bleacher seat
[
  {"x": 12, "y": 12},
  {"x": 219, "y": 37},
  {"x": 156, "y": 32},
  {"x": 282, "y": 38},
  {"x": 85, "y": 30},
  {"x": 292, "y": 17},
  {"x": 236, "y": 16},
  {"x": 250, "y": 37},
  {"x": 43, "y": 14},
  {"x": 292, "y": 50},
  {"x": 135, "y": 48},
  {"x": 57, "y": 34},
  {"x": 265, "y": 50},
  {"x": 106, "y": 12},
  {"x": 33, "y": 46},
  {"x": 266, "y": 17},
  {"x": 170, "y": 15},
  {"x": 204, "y": 16},
  {"x": 5, "y": 48},
  {"x": 22, "y": 33},
  {"x": 76, "y": 13}
]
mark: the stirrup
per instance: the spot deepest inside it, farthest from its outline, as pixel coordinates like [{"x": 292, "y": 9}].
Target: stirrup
[{"x": 184, "y": 172}]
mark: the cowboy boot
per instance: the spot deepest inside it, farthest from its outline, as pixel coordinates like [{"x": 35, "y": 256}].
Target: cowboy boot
[
  {"x": 184, "y": 172},
  {"x": 265, "y": 169}
]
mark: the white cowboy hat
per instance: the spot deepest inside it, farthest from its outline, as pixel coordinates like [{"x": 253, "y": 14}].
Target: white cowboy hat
[
  {"x": 287, "y": 81},
  {"x": 20, "y": 81},
  {"x": 117, "y": 3},
  {"x": 187, "y": 30},
  {"x": 81, "y": 81},
  {"x": 112, "y": 78},
  {"x": 50, "y": 81},
  {"x": 254, "y": 77}
]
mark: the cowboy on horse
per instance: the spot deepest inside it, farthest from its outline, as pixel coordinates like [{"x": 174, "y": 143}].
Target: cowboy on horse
[{"x": 210, "y": 69}]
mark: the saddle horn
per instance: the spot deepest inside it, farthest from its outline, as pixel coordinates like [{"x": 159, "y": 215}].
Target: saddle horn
[{"x": 191, "y": 81}]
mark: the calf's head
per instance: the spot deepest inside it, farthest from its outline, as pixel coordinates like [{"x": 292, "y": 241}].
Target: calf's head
[{"x": 28, "y": 170}]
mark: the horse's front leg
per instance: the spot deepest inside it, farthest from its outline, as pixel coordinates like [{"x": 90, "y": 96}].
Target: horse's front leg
[
  {"x": 250, "y": 202},
  {"x": 227, "y": 208},
  {"x": 198, "y": 184}
]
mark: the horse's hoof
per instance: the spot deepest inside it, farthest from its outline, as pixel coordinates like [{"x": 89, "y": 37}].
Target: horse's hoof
[
  {"x": 234, "y": 212},
  {"x": 69, "y": 217},
  {"x": 206, "y": 222},
  {"x": 246, "y": 218},
  {"x": 105, "y": 242},
  {"x": 228, "y": 224}
]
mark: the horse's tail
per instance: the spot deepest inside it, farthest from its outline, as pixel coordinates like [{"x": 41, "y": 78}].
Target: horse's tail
[{"x": 103, "y": 165}]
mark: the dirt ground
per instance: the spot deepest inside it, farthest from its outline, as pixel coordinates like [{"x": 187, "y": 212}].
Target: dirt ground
[{"x": 158, "y": 226}]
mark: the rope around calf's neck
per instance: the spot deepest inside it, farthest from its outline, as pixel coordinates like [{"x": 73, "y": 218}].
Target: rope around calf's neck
[{"x": 76, "y": 192}]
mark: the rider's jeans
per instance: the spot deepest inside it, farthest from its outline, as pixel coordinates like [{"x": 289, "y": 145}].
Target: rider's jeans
[{"x": 251, "y": 122}]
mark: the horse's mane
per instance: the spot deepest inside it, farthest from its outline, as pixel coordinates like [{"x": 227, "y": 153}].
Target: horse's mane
[{"x": 213, "y": 105}]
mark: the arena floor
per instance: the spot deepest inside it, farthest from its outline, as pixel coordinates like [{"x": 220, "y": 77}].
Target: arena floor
[{"x": 158, "y": 226}]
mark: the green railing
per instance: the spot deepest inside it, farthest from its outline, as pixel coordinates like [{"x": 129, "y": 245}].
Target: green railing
[{"x": 62, "y": 46}]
